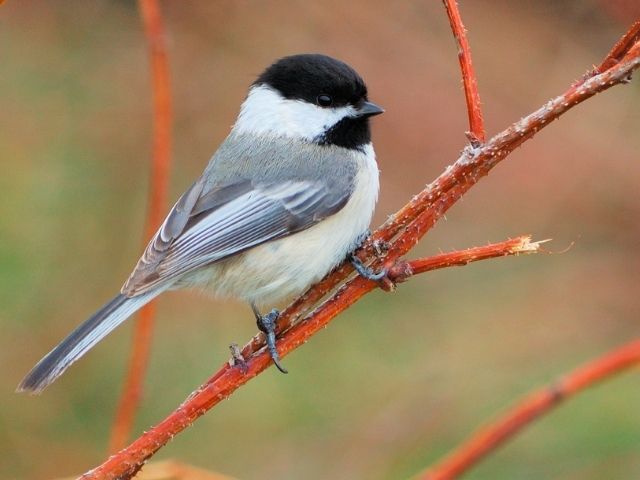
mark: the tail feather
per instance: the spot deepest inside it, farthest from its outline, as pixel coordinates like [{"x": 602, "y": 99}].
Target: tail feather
[{"x": 81, "y": 340}]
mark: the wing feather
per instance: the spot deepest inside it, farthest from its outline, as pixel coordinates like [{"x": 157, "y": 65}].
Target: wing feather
[{"x": 204, "y": 228}]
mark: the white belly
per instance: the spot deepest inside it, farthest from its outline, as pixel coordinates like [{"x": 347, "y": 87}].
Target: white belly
[{"x": 281, "y": 269}]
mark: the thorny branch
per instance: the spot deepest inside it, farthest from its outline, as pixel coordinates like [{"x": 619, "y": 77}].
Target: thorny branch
[
  {"x": 398, "y": 235},
  {"x": 162, "y": 117}
]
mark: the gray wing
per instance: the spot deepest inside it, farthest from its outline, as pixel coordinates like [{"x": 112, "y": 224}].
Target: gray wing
[{"x": 205, "y": 228}]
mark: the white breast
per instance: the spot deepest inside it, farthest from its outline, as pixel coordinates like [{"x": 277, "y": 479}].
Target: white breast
[{"x": 278, "y": 270}]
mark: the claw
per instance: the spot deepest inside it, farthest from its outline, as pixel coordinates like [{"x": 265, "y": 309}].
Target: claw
[
  {"x": 267, "y": 325},
  {"x": 381, "y": 277},
  {"x": 365, "y": 271}
]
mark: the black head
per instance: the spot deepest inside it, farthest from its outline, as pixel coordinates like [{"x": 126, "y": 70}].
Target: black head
[{"x": 327, "y": 83}]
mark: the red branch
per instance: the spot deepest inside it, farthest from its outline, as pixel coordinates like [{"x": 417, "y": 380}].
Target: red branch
[
  {"x": 476, "y": 122},
  {"x": 386, "y": 246},
  {"x": 160, "y": 164},
  {"x": 533, "y": 406},
  {"x": 401, "y": 271}
]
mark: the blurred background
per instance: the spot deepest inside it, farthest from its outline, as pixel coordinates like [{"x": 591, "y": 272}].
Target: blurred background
[{"x": 397, "y": 380}]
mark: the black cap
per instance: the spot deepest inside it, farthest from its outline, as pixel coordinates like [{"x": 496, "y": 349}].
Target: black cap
[{"x": 308, "y": 76}]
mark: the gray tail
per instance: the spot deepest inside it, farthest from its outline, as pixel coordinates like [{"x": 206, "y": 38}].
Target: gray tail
[{"x": 83, "y": 338}]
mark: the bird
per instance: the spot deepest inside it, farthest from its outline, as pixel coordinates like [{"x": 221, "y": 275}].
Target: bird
[{"x": 288, "y": 195}]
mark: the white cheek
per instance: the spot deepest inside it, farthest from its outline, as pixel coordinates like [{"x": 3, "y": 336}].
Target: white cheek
[{"x": 265, "y": 111}]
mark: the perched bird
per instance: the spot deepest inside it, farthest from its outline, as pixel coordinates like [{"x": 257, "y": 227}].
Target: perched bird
[{"x": 287, "y": 196}]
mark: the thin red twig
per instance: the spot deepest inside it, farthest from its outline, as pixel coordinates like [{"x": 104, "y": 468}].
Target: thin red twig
[
  {"x": 403, "y": 270},
  {"x": 398, "y": 235},
  {"x": 476, "y": 132},
  {"x": 533, "y": 406},
  {"x": 161, "y": 160}
]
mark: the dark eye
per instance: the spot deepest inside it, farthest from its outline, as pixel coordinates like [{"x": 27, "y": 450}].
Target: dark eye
[{"x": 324, "y": 100}]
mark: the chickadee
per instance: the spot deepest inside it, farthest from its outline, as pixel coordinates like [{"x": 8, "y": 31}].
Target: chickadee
[{"x": 287, "y": 196}]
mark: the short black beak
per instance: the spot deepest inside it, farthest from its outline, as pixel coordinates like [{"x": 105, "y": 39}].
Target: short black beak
[{"x": 368, "y": 109}]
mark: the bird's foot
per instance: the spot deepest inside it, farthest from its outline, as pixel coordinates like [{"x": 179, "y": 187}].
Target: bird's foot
[
  {"x": 381, "y": 277},
  {"x": 365, "y": 271},
  {"x": 267, "y": 325}
]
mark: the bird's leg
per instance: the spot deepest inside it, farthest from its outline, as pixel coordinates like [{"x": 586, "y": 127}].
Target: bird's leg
[{"x": 267, "y": 325}]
